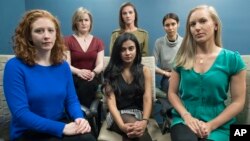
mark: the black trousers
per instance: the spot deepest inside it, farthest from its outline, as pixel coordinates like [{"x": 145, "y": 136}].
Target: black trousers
[
  {"x": 86, "y": 90},
  {"x": 86, "y": 93},
  {"x": 164, "y": 84},
  {"x": 127, "y": 118},
  {"x": 38, "y": 136},
  {"x": 35, "y": 136},
  {"x": 181, "y": 132}
]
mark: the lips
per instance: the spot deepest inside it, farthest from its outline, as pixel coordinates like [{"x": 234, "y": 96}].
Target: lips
[
  {"x": 47, "y": 43},
  {"x": 199, "y": 35}
]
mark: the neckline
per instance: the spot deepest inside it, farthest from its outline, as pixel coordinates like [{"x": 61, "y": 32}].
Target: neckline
[
  {"x": 211, "y": 67},
  {"x": 128, "y": 83},
  {"x": 79, "y": 45}
]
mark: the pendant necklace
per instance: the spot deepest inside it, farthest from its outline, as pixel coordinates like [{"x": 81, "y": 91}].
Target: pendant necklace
[
  {"x": 85, "y": 41},
  {"x": 201, "y": 61}
]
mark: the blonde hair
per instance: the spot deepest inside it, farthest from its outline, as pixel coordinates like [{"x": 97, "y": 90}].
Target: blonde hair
[
  {"x": 24, "y": 48},
  {"x": 186, "y": 54},
  {"x": 78, "y": 15}
]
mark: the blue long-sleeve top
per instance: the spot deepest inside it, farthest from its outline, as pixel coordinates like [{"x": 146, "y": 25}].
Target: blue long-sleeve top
[{"x": 38, "y": 97}]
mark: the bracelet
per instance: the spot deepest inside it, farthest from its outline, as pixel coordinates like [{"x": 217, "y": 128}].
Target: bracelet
[
  {"x": 145, "y": 119},
  {"x": 185, "y": 114},
  {"x": 94, "y": 72}
]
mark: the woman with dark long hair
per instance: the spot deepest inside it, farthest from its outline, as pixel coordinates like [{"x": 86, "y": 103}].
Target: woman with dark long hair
[{"x": 127, "y": 86}]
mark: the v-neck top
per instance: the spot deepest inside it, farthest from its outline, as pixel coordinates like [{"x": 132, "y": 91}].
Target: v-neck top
[
  {"x": 204, "y": 94},
  {"x": 130, "y": 97},
  {"x": 81, "y": 59}
]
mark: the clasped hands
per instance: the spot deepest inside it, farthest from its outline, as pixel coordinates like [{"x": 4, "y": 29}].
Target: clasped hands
[
  {"x": 85, "y": 74},
  {"x": 135, "y": 129},
  {"x": 79, "y": 126},
  {"x": 200, "y": 128}
]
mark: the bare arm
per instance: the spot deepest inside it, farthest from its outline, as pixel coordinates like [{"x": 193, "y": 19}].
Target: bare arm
[
  {"x": 147, "y": 97},
  {"x": 174, "y": 99},
  {"x": 111, "y": 102},
  {"x": 99, "y": 62},
  {"x": 238, "y": 93},
  {"x": 162, "y": 72},
  {"x": 140, "y": 126},
  {"x": 173, "y": 93},
  {"x": 73, "y": 69}
]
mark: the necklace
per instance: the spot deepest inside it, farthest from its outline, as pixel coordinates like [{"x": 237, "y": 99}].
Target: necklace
[
  {"x": 85, "y": 42},
  {"x": 201, "y": 61}
]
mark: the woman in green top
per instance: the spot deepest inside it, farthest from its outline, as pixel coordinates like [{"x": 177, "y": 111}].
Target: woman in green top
[
  {"x": 200, "y": 81},
  {"x": 128, "y": 23}
]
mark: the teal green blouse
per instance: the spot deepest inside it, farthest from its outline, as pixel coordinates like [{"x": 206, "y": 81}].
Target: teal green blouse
[{"x": 204, "y": 94}]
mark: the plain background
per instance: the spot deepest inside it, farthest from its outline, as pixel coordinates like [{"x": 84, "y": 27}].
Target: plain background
[{"x": 233, "y": 13}]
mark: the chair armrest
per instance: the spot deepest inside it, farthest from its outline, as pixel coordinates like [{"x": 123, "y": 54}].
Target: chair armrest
[
  {"x": 166, "y": 107},
  {"x": 94, "y": 107},
  {"x": 160, "y": 93},
  {"x": 86, "y": 111}
]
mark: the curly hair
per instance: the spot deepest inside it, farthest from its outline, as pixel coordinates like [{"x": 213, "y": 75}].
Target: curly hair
[{"x": 23, "y": 47}]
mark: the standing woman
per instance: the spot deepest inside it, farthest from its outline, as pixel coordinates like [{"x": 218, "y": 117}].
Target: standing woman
[
  {"x": 200, "y": 81},
  {"x": 127, "y": 85},
  {"x": 85, "y": 56},
  {"x": 128, "y": 21},
  {"x": 38, "y": 84},
  {"x": 166, "y": 48}
]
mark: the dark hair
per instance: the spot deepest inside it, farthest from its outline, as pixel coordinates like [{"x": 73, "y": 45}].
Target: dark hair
[
  {"x": 171, "y": 16},
  {"x": 115, "y": 65},
  {"x": 121, "y": 22}
]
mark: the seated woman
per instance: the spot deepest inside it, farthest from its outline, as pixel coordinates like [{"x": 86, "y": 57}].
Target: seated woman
[
  {"x": 38, "y": 84},
  {"x": 85, "y": 55},
  {"x": 127, "y": 85},
  {"x": 128, "y": 22},
  {"x": 200, "y": 81}
]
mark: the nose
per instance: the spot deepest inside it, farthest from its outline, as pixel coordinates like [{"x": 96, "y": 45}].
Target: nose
[
  {"x": 127, "y": 14},
  {"x": 47, "y": 34},
  {"x": 170, "y": 27},
  {"x": 127, "y": 52},
  {"x": 198, "y": 26}
]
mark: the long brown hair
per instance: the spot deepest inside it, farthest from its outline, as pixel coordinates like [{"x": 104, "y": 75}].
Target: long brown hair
[
  {"x": 121, "y": 22},
  {"x": 23, "y": 47}
]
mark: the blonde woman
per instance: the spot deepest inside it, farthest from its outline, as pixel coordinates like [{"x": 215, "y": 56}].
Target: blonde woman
[
  {"x": 200, "y": 81},
  {"x": 85, "y": 56}
]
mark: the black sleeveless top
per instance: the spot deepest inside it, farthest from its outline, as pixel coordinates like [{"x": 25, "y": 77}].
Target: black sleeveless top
[{"x": 130, "y": 97}]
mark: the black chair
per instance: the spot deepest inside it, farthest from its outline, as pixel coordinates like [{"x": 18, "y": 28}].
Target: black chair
[{"x": 93, "y": 114}]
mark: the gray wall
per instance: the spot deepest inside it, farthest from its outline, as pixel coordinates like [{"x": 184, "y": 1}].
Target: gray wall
[{"x": 233, "y": 14}]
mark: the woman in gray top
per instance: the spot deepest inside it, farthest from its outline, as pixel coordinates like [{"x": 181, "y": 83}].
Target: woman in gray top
[{"x": 166, "y": 48}]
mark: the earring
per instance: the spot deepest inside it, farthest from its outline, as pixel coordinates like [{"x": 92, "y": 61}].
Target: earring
[{"x": 215, "y": 28}]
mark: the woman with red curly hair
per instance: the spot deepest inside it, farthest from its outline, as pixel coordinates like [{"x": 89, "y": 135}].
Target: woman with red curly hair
[{"x": 38, "y": 84}]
